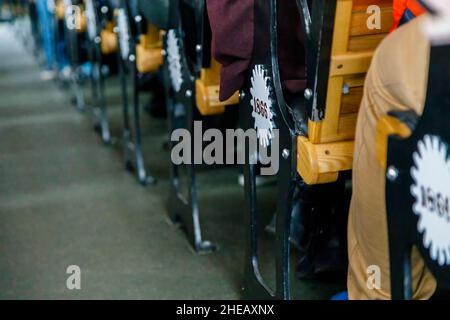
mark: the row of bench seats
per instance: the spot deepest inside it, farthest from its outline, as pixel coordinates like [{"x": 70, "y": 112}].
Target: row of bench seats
[{"x": 339, "y": 47}]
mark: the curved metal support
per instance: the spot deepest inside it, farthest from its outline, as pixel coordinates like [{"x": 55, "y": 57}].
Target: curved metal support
[
  {"x": 254, "y": 286},
  {"x": 317, "y": 25},
  {"x": 76, "y": 85}
]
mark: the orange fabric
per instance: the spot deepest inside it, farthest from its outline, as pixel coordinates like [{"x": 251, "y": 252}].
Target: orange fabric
[{"x": 400, "y": 6}]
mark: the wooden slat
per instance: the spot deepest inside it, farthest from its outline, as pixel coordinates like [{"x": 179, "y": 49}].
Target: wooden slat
[
  {"x": 355, "y": 80},
  {"x": 342, "y": 26},
  {"x": 350, "y": 63},
  {"x": 359, "y": 5},
  {"x": 352, "y": 101},
  {"x": 347, "y": 125},
  {"x": 365, "y": 42},
  {"x": 331, "y": 122}
]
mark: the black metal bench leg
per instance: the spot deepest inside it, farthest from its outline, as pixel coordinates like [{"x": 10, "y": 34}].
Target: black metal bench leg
[
  {"x": 94, "y": 86},
  {"x": 75, "y": 72},
  {"x": 181, "y": 209},
  {"x": 254, "y": 287},
  {"x": 141, "y": 172},
  {"x": 286, "y": 188},
  {"x": 126, "y": 135},
  {"x": 101, "y": 109}
]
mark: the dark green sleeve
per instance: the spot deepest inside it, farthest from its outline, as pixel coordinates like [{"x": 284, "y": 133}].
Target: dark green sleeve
[{"x": 155, "y": 11}]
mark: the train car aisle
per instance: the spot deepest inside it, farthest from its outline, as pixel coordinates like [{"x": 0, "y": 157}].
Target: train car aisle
[{"x": 66, "y": 200}]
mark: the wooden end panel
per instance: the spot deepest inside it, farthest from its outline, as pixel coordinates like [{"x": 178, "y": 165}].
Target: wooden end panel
[
  {"x": 321, "y": 163},
  {"x": 207, "y": 99},
  {"x": 148, "y": 60}
]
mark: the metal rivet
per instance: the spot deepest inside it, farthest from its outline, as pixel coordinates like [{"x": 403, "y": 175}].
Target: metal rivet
[
  {"x": 138, "y": 19},
  {"x": 392, "y": 173},
  {"x": 198, "y": 48},
  {"x": 188, "y": 93},
  {"x": 116, "y": 30},
  {"x": 132, "y": 57},
  {"x": 285, "y": 153},
  {"x": 163, "y": 53},
  {"x": 98, "y": 39},
  {"x": 242, "y": 95},
  {"x": 308, "y": 94},
  {"x": 104, "y": 9},
  {"x": 345, "y": 89}
]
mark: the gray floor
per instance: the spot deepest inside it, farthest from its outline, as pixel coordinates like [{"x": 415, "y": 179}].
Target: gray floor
[{"x": 65, "y": 199}]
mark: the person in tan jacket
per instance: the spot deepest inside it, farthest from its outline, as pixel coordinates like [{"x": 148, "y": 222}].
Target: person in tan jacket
[{"x": 397, "y": 80}]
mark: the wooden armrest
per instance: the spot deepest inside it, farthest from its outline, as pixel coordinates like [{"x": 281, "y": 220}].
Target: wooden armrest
[
  {"x": 387, "y": 126},
  {"x": 321, "y": 163}
]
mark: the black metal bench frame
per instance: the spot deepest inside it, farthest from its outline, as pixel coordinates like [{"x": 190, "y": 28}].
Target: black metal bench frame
[
  {"x": 132, "y": 133},
  {"x": 403, "y": 230},
  {"x": 181, "y": 113},
  {"x": 76, "y": 44},
  {"x": 100, "y": 17},
  {"x": 317, "y": 26}
]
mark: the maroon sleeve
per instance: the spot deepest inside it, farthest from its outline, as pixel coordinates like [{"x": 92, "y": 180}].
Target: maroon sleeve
[
  {"x": 232, "y": 41},
  {"x": 291, "y": 50}
]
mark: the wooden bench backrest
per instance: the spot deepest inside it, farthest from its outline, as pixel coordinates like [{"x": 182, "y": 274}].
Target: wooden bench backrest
[{"x": 351, "y": 54}]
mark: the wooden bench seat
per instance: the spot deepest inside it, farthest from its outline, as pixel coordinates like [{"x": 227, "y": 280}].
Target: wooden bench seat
[
  {"x": 110, "y": 42},
  {"x": 149, "y": 50},
  {"x": 207, "y": 91}
]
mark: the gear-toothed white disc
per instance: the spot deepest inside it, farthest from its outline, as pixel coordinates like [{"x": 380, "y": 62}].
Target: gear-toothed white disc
[
  {"x": 262, "y": 105},
  {"x": 430, "y": 189},
  {"x": 91, "y": 20},
  {"x": 124, "y": 33},
  {"x": 174, "y": 60}
]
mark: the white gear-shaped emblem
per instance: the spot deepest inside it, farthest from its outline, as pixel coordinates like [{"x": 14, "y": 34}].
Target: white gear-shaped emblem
[
  {"x": 174, "y": 60},
  {"x": 91, "y": 20},
  {"x": 437, "y": 26},
  {"x": 262, "y": 105},
  {"x": 51, "y": 6},
  {"x": 431, "y": 176},
  {"x": 124, "y": 33}
]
